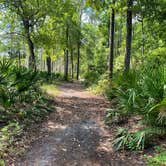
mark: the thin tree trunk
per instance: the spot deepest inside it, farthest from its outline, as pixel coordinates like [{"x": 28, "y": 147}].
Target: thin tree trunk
[
  {"x": 72, "y": 64},
  {"x": 48, "y": 60},
  {"x": 66, "y": 58},
  {"x": 78, "y": 60},
  {"x": 66, "y": 55},
  {"x": 143, "y": 43},
  {"x": 44, "y": 66},
  {"x": 128, "y": 35},
  {"x": 79, "y": 41},
  {"x": 111, "y": 41}
]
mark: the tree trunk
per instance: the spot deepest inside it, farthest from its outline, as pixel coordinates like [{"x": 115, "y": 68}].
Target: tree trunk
[
  {"x": 66, "y": 55},
  {"x": 66, "y": 59},
  {"x": 48, "y": 60},
  {"x": 111, "y": 42},
  {"x": 78, "y": 60},
  {"x": 128, "y": 35},
  {"x": 32, "y": 60},
  {"x": 143, "y": 43},
  {"x": 72, "y": 64},
  {"x": 79, "y": 41}
]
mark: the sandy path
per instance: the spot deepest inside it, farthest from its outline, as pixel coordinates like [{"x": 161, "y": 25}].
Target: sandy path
[{"x": 75, "y": 135}]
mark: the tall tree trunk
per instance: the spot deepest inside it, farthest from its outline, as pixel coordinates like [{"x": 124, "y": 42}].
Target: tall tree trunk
[
  {"x": 143, "y": 42},
  {"x": 72, "y": 64},
  {"x": 128, "y": 35},
  {"x": 48, "y": 60},
  {"x": 66, "y": 55},
  {"x": 111, "y": 41},
  {"x": 32, "y": 60},
  {"x": 66, "y": 58},
  {"x": 79, "y": 41},
  {"x": 78, "y": 60}
]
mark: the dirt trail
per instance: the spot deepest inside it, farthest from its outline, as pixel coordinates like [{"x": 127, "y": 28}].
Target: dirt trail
[{"x": 75, "y": 135}]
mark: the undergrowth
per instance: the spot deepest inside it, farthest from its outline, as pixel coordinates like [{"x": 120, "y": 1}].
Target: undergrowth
[
  {"x": 22, "y": 104},
  {"x": 140, "y": 92}
]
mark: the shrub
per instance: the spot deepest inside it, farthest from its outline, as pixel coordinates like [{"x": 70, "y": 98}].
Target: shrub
[
  {"x": 91, "y": 77},
  {"x": 135, "y": 140},
  {"x": 140, "y": 92}
]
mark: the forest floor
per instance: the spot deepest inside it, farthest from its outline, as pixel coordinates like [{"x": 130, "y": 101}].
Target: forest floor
[{"x": 75, "y": 134}]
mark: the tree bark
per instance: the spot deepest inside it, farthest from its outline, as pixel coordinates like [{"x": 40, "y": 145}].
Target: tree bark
[
  {"x": 48, "y": 60},
  {"x": 78, "y": 60},
  {"x": 72, "y": 64},
  {"x": 143, "y": 42},
  {"x": 66, "y": 55},
  {"x": 79, "y": 41},
  {"x": 32, "y": 60},
  {"x": 111, "y": 41},
  {"x": 128, "y": 35}
]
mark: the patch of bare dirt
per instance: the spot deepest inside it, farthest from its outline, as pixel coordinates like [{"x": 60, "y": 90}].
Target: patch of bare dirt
[{"x": 75, "y": 135}]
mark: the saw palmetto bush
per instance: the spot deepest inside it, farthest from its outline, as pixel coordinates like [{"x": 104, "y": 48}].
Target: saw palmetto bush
[
  {"x": 14, "y": 82},
  {"x": 22, "y": 103},
  {"x": 18, "y": 86},
  {"x": 141, "y": 92}
]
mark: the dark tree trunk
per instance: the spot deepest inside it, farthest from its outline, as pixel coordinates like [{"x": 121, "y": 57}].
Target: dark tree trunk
[
  {"x": 72, "y": 64},
  {"x": 48, "y": 60},
  {"x": 66, "y": 64},
  {"x": 79, "y": 41},
  {"x": 111, "y": 41},
  {"x": 66, "y": 55},
  {"x": 128, "y": 35},
  {"x": 78, "y": 60},
  {"x": 32, "y": 60},
  {"x": 143, "y": 42}
]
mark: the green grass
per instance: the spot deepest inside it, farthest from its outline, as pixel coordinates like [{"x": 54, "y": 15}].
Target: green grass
[
  {"x": 50, "y": 89},
  {"x": 159, "y": 159}
]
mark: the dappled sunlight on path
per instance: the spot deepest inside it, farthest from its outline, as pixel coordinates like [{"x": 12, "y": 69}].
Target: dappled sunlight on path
[{"x": 75, "y": 134}]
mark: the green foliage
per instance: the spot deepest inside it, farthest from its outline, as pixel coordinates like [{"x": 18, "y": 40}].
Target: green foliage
[
  {"x": 115, "y": 116},
  {"x": 22, "y": 102},
  {"x": 138, "y": 140},
  {"x": 2, "y": 162},
  {"x": 50, "y": 89},
  {"x": 7, "y": 135},
  {"x": 159, "y": 157},
  {"x": 140, "y": 92},
  {"x": 102, "y": 86},
  {"x": 126, "y": 140},
  {"x": 46, "y": 78},
  {"x": 91, "y": 78},
  {"x": 15, "y": 82}
]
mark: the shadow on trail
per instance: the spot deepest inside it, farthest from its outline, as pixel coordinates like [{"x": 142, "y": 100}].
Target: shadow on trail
[
  {"x": 74, "y": 145},
  {"x": 75, "y": 134}
]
